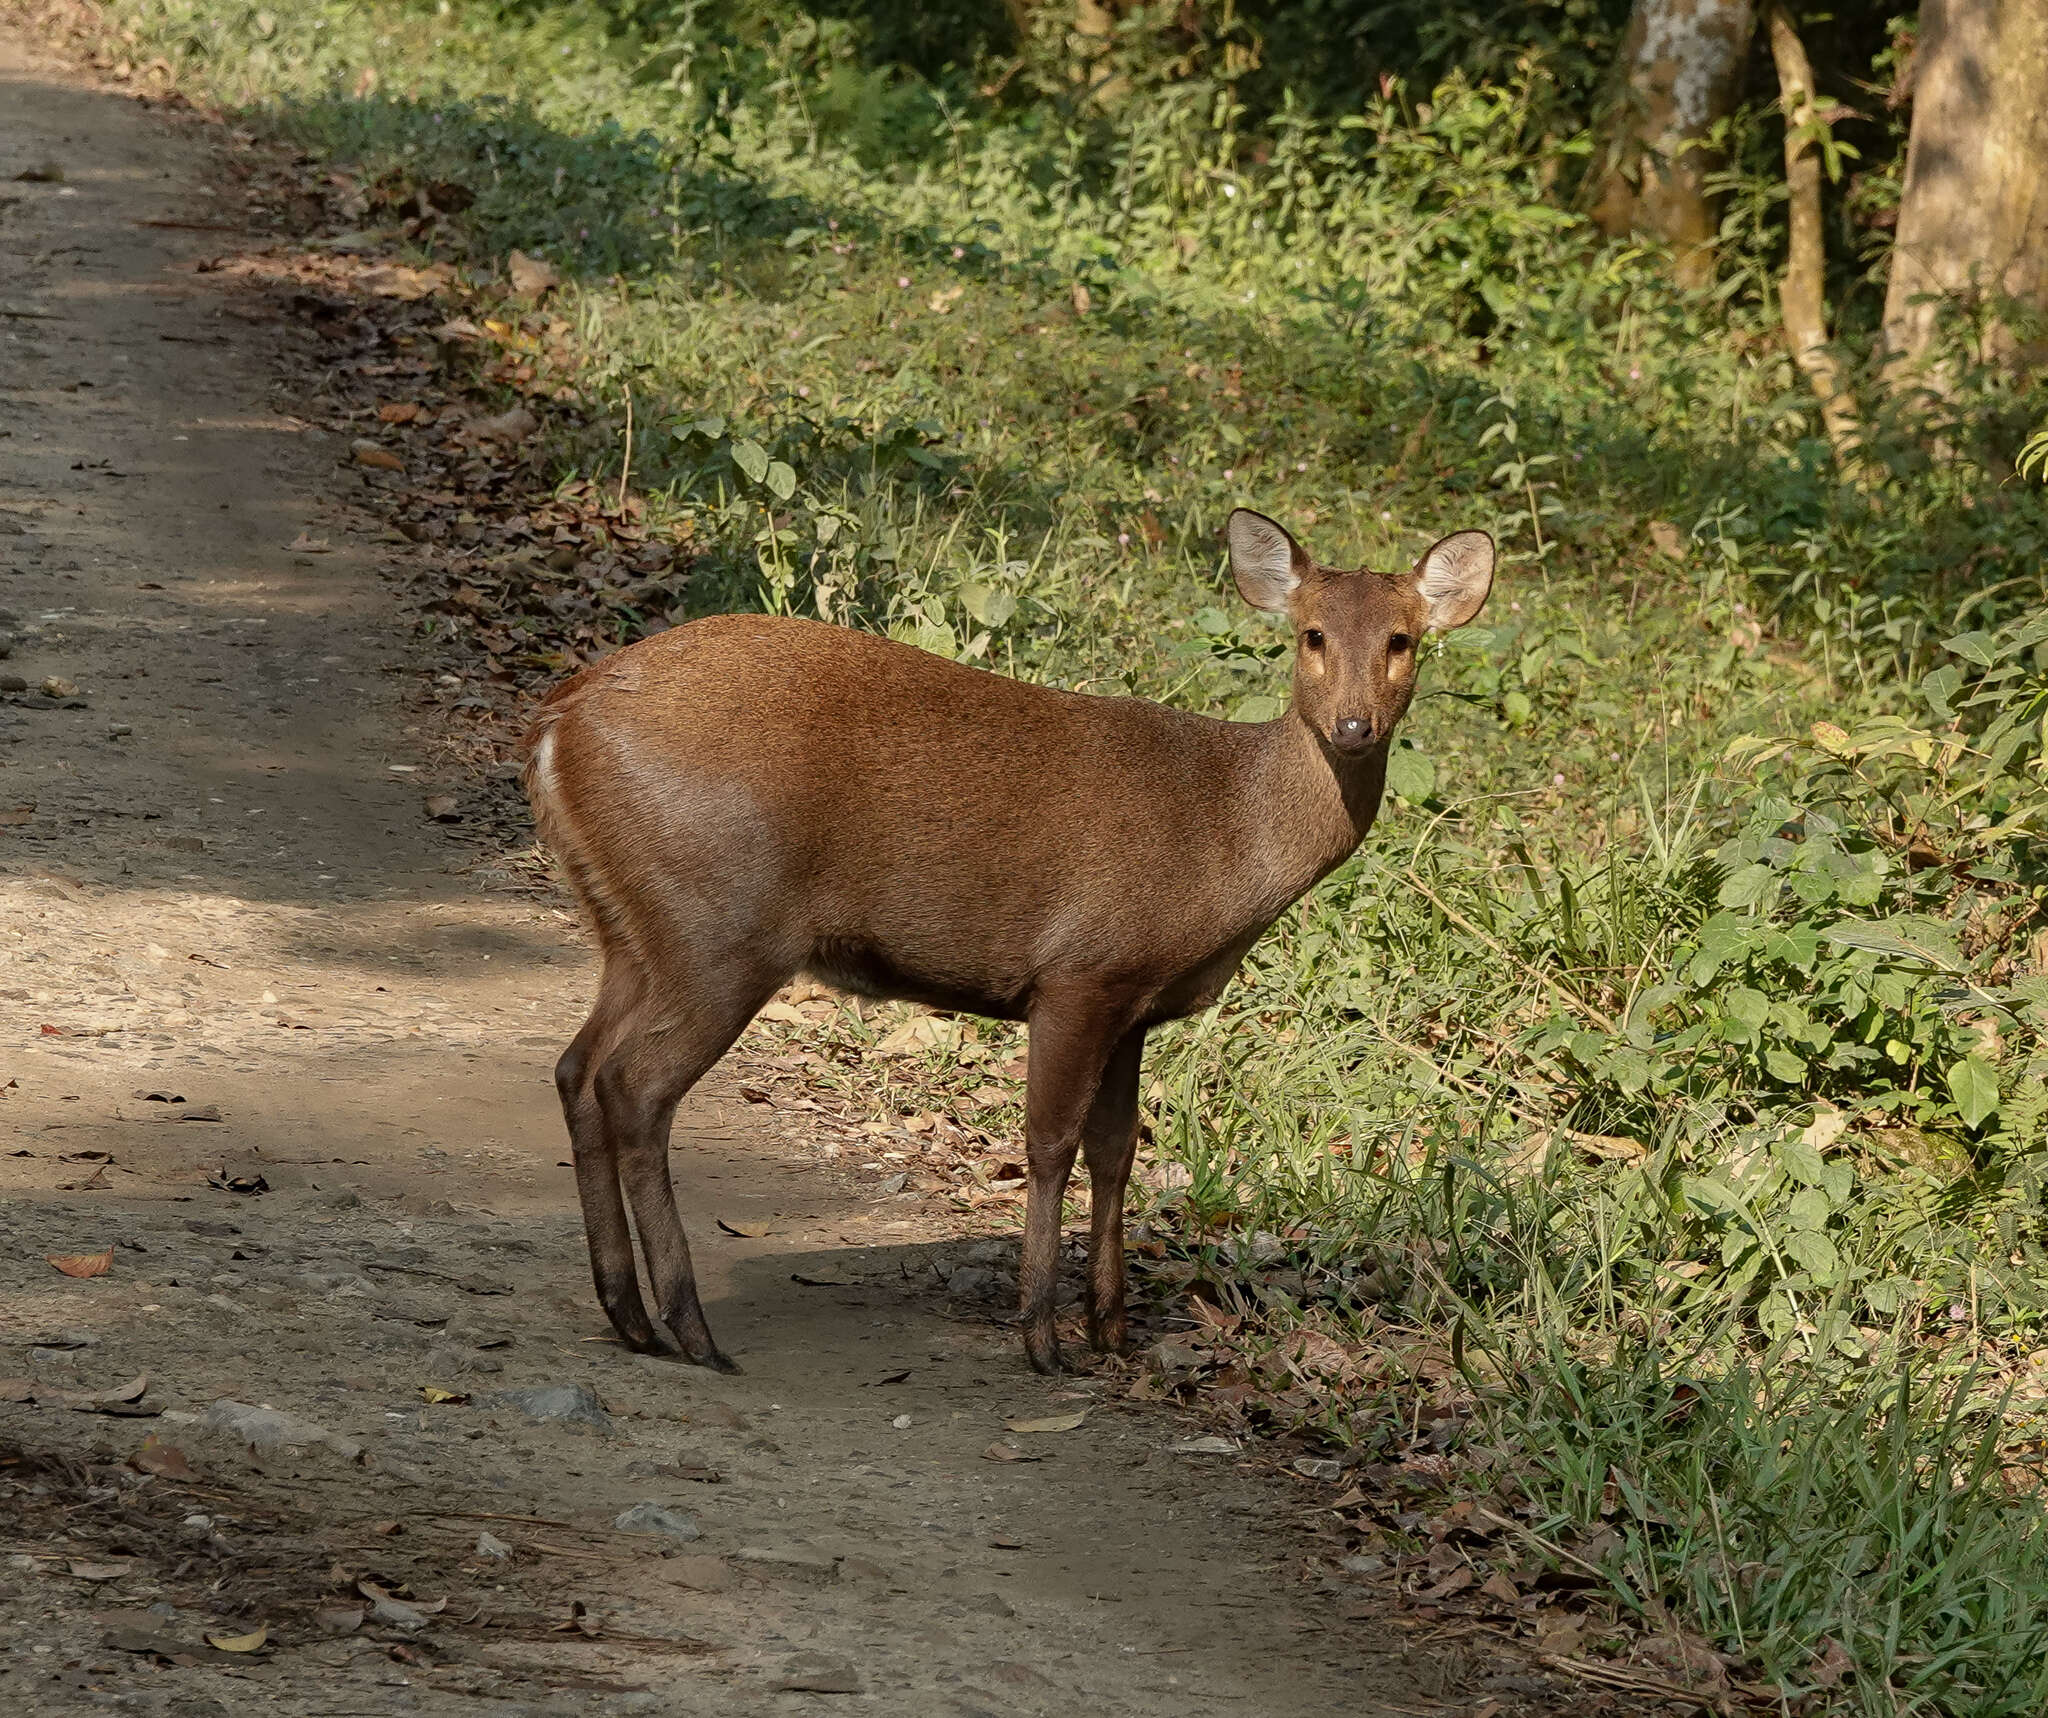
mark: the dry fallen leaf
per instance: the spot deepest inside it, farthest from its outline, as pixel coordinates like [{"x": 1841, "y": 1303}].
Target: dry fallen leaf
[
  {"x": 83, "y": 1264},
  {"x": 514, "y": 425},
  {"x": 118, "y": 1400},
  {"x": 398, "y": 412},
  {"x": 254, "y": 1641},
  {"x": 434, "y": 1393},
  {"x": 443, "y": 808},
  {"x": 338, "y": 1619},
  {"x": 368, "y": 453},
  {"x": 110, "y": 1571},
  {"x": 1830, "y": 1664},
  {"x": 1050, "y": 1423},
  {"x": 164, "y": 1460},
  {"x": 17, "y": 1389},
  {"x": 783, "y": 1013},
  {"x": 138, "y": 1640},
  {"x": 745, "y": 1227},
  {"x": 303, "y": 544},
  {"x": 926, "y": 1032},
  {"x": 395, "y": 280},
  {"x": 530, "y": 276},
  {"x": 1000, "y": 1451}
]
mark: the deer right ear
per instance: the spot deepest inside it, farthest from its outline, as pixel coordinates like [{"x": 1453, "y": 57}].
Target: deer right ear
[{"x": 1264, "y": 560}]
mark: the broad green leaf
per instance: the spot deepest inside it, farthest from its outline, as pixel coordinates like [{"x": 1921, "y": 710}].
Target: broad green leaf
[
  {"x": 1914, "y": 939},
  {"x": 1410, "y": 774},
  {"x": 988, "y": 604},
  {"x": 1783, "y": 1065},
  {"x": 1809, "y": 1209},
  {"x": 1749, "y": 887},
  {"x": 1939, "y": 687},
  {"x": 1751, "y": 1007},
  {"x": 1800, "y": 1161},
  {"x": 1971, "y": 647},
  {"x": 1797, "y": 946},
  {"x": 1815, "y": 888},
  {"x": 781, "y": 480},
  {"x": 1974, "y": 1086},
  {"x": 1259, "y": 707},
  {"x": 752, "y": 458},
  {"x": 1628, "y": 1069},
  {"x": 1813, "y": 1253}
]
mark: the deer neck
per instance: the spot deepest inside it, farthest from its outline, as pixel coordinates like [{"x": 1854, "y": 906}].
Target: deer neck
[{"x": 1310, "y": 805}]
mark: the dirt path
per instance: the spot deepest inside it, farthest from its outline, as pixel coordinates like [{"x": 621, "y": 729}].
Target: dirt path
[{"x": 219, "y": 888}]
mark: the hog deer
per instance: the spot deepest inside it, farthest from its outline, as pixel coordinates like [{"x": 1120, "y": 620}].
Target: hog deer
[{"x": 748, "y": 797}]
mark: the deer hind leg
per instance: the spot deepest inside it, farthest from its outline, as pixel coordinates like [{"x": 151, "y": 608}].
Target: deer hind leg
[
  {"x": 1109, "y": 1140},
  {"x": 1072, "y": 1041},
  {"x": 594, "y": 1149},
  {"x": 638, "y": 1086}
]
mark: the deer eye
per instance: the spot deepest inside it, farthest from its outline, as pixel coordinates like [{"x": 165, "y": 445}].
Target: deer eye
[
  {"x": 1312, "y": 638},
  {"x": 1400, "y": 642}
]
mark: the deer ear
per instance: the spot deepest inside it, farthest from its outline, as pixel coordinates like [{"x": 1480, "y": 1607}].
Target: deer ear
[
  {"x": 1454, "y": 578},
  {"x": 1264, "y": 560}
]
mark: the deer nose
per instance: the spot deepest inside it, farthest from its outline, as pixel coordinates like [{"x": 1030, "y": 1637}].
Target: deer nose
[{"x": 1351, "y": 733}]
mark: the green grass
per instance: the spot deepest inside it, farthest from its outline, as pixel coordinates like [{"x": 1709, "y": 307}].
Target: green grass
[{"x": 1591, "y": 1069}]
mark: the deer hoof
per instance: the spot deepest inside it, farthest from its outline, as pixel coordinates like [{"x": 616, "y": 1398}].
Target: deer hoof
[{"x": 1044, "y": 1354}]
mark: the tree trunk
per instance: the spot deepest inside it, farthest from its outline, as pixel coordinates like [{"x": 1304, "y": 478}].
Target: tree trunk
[
  {"x": 1973, "y": 218},
  {"x": 1800, "y": 296},
  {"x": 1681, "y": 67}
]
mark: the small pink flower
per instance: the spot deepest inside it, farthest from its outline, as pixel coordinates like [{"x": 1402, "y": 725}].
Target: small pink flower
[
  {"x": 1557, "y": 781},
  {"x": 903, "y": 280},
  {"x": 1123, "y": 539}
]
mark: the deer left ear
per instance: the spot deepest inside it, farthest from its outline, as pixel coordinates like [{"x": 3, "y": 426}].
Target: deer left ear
[{"x": 1454, "y": 577}]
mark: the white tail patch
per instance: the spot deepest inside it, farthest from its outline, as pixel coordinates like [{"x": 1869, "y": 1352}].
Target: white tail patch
[{"x": 541, "y": 783}]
